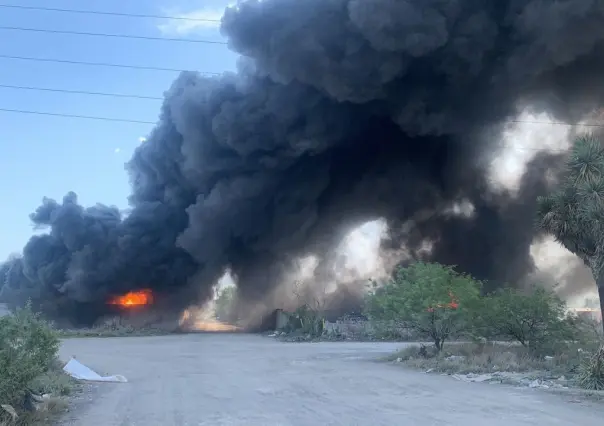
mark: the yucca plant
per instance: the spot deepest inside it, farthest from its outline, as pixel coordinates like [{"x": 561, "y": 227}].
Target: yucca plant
[
  {"x": 574, "y": 212},
  {"x": 591, "y": 372}
]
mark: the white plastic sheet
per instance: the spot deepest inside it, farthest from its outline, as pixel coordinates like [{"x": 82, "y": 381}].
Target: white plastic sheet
[{"x": 79, "y": 371}]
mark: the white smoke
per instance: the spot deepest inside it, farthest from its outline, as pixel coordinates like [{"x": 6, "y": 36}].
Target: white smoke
[{"x": 524, "y": 138}]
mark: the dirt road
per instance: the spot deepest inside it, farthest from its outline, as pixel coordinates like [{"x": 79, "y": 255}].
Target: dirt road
[{"x": 220, "y": 380}]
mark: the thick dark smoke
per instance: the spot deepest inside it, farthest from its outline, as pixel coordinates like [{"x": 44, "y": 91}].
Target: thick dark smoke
[{"x": 343, "y": 111}]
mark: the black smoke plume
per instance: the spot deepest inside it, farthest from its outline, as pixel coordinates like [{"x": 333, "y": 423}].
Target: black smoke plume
[{"x": 343, "y": 111}]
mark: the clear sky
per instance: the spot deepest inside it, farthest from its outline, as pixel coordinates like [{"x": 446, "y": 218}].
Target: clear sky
[{"x": 49, "y": 156}]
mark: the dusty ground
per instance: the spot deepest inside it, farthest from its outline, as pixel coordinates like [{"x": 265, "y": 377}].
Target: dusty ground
[{"x": 221, "y": 379}]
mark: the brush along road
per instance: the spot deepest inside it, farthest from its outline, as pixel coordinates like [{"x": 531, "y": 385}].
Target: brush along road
[{"x": 238, "y": 379}]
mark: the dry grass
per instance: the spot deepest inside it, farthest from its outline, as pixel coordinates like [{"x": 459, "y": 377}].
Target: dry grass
[
  {"x": 468, "y": 358},
  {"x": 54, "y": 382},
  {"x": 47, "y": 414},
  {"x": 141, "y": 324},
  {"x": 56, "y": 386},
  {"x": 113, "y": 331}
]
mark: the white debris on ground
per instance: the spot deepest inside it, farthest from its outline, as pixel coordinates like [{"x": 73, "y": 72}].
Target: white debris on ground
[
  {"x": 530, "y": 380},
  {"x": 79, "y": 371},
  {"x": 517, "y": 379},
  {"x": 455, "y": 358}
]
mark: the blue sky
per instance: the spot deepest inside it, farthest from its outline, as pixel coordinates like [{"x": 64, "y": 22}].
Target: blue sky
[{"x": 48, "y": 156}]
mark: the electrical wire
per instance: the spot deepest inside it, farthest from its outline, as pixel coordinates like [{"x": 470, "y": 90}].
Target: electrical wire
[
  {"x": 110, "y": 35},
  {"x": 124, "y": 120},
  {"x": 557, "y": 123},
  {"x": 139, "y": 67},
  {"x": 107, "y": 13},
  {"x": 98, "y": 64},
  {"x": 85, "y": 117},
  {"x": 79, "y": 92}
]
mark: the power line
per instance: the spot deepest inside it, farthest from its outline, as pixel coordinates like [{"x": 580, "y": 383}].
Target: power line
[
  {"x": 557, "y": 123},
  {"x": 80, "y": 92},
  {"x": 98, "y": 64},
  {"x": 124, "y": 120},
  {"x": 157, "y": 98},
  {"x": 85, "y": 117},
  {"x": 107, "y": 13},
  {"x": 110, "y": 35}
]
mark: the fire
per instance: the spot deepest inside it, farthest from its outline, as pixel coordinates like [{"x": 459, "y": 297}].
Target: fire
[
  {"x": 584, "y": 310},
  {"x": 595, "y": 313},
  {"x": 453, "y": 304},
  {"x": 194, "y": 320},
  {"x": 133, "y": 298}
]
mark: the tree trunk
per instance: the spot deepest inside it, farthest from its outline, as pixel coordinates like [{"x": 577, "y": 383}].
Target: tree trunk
[
  {"x": 438, "y": 344},
  {"x": 601, "y": 295}
]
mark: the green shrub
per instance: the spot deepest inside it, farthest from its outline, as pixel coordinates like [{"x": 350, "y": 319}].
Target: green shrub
[
  {"x": 536, "y": 319},
  {"x": 28, "y": 349},
  {"x": 309, "y": 321},
  {"x": 433, "y": 300},
  {"x": 54, "y": 382}
]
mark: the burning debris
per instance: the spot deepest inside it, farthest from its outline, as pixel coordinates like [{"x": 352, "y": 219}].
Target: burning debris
[
  {"x": 343, "y": 112},
  {"x": 133, "y": 299},
  {"x": 590, "y": 314},
  {"x": 197, "y": 319},
  {"x": 453, "y": 304}
]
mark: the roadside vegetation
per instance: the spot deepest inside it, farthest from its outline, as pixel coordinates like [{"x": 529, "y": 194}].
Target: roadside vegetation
[
  {"x": 432, "y": 300},
  {"x": 508, "y": 331},
  {"x": 138, "y": 325},
  {"x": 112, "y": 329},
  {"x": 32, "y": 383},
  {"x": 511, "y": 334}
]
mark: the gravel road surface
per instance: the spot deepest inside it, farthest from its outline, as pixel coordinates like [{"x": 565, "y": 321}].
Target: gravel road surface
[{"x": 236, "y": 379}]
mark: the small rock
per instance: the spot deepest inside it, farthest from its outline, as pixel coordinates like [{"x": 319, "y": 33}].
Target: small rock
[
  {"x": 429, "y": 370},
  {"x": 455, "y": 358},
  {"x": 399, "y": 359},
  {"x": 538, "y": 384},
  {"x": 548, "y": 358}
]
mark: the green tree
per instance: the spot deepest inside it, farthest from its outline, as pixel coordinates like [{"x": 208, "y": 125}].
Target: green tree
[
  {"x": 225, "y": 304},
  {"x": 574, "y": 212},
  {"x": 433, "y": 300},
  {"x": 536, "y": 319}
]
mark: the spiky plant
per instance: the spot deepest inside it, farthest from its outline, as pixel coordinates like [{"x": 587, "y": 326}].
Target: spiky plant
[
  {"x": 574, "y": 212},
  {"x": 591, "y": 373}
]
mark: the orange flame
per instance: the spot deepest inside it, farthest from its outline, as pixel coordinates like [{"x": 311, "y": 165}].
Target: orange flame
[
  {"x": 453, "y": 304},
  {"x": 133, "y": 298},
  {"x": 596, "y": 313}
]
